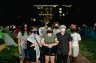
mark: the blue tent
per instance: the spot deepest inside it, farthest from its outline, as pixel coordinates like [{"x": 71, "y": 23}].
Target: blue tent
[{"x": 87, "y": 32}]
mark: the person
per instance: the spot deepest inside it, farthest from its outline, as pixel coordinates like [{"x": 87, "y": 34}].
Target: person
[
  {"x": 49, "y": 41},
  {"x": 69, "y": 29},
  {"x": 76, "y": 38},
  {"x": 56, "y": 28},
  {"x": 15, "y": 33},
  {"x": 33, "y": 46},
  {"x": 42, "y": 30},
  {"x": 22, "y": 40},
  {"x": 64, "y": 46},
  {"x": 95, "y": 27}
]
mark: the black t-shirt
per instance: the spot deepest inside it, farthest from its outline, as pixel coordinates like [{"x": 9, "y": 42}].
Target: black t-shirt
[{"x": 63, "y": 46}]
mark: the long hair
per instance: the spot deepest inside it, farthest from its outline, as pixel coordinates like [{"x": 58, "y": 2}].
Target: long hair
[{"x": 22, "y": 29}]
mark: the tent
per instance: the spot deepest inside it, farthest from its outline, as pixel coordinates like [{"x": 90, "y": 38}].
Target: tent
[
  {"x": 87, "y": 32},
  {"x": 7, "y": 38}
]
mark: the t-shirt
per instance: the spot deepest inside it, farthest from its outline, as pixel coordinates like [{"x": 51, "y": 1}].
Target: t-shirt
[
  {"x": 42, "y": 30},
  {"x": 68, "y": 31},
  {"x": 49, "y": 39},
  {"x": 55, "y": 31},
  {"x": 63, "y": 46},
  {"x": 23, "y": 39},
  {"x": 75, "y": 38}
]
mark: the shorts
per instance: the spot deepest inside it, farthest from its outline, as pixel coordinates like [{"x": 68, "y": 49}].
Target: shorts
[
  {"x": 75, "y": 51},
  {"x": 50, "y": 51},
  {"x": 32, "y": 54}
]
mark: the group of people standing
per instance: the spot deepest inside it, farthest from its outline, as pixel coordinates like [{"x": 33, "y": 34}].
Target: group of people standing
[{"x": 56, "y": 44}]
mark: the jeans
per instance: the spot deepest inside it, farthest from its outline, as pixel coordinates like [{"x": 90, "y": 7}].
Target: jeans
[{"x": 23, "y": 53}]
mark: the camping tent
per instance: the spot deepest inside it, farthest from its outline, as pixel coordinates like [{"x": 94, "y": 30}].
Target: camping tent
[
  {"x": 9, "y": 41},
  {"x": 87, "y": 32},
  {"x": 7, "y": 38}
]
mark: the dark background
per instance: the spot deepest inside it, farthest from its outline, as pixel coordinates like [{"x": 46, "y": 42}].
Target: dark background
[{"x": 81, "y": 12}]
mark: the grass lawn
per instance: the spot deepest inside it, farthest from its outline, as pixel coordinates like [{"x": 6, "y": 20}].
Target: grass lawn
[
  {"x": 9, "y": 55},
  {"x": 88, "y": 49}
]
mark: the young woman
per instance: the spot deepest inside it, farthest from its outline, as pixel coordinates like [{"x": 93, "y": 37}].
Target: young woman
[
  {"x": 49, "y": 41},
  {"x": 56, "y": 28},
  {"x": 33, "y": 46},
  {"x": 22, "y": 41}
]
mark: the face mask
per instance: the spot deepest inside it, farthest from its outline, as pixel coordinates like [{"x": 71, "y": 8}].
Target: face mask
[
  {"x": 49, "y": 31},
  {"x": 35, "y": 32},
  {"x": 56, "y": 27},
  {"x": 62, "y": 30},
  {"x": 73, "y": 30}
]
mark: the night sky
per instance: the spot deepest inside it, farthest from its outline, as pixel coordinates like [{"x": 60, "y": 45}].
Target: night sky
[{"x": 13, "y": 8}]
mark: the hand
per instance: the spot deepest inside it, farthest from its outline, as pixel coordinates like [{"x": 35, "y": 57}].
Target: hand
[
  {"x": 32, "y": 45},
  {"x": 69, "y": 53},
  {"x": 50, "y": 46},
  {"x": 57, "y": 41}
]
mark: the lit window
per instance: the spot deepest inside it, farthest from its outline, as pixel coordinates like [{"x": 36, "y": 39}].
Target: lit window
[
  {"x": 47, "y": 12},
  {"x": 41, "y": 7},
  {"x": 60, "y": 15},
  {"x": 63, "y": 14},
  {"x": 60, "y": 11},
  {"x": 34, "y": 19},
  {"x": 38, "y": 7},
  {"x": 43, "y": 14},
  {"x": 60, "y": 8}
]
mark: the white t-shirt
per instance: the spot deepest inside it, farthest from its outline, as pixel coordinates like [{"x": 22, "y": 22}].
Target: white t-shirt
[
  {"x": 55, "y": 31},
  {"x": 42, "y": 30},
  {"x": 75, "y": 38},
  {"x": 23, "y": 39}
]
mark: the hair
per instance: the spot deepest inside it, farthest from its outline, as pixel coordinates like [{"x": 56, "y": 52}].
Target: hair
[
  {"x": 22, "y": 29},
  {"x": 76, "y": 27},
  {"x": 53, "y": 25},
  {"x": 73, "y": 25},
  {"x": 49, "y": 27}
]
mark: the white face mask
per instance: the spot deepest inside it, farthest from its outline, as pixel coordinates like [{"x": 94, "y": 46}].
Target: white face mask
[{"x": 62, "y": 30}]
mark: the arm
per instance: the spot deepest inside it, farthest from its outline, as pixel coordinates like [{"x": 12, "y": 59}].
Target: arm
[
  {"x": 35, "y": 44},
  {"x": 43, "y": 43},
  {"x": 19, "y": 45},
  {"x": 79, "y": 42},
  {"x": 79, "y": 39},
  {"x": 70, "y": 48},
  {"x": 56, "y": 42},
  {"x": 40, "y": 32},
  {"x": 70, "y": 44}
]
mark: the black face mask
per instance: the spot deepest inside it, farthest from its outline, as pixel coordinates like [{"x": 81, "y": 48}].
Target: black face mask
[
  {"x": 49, "y": 31},
  {"x": 35, "y": 32},
  {"x": 56, "y": 27},
  {"x": 73, "y": 30}
]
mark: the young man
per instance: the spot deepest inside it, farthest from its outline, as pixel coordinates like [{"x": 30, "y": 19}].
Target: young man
[{"x": 76, "y": 38}]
